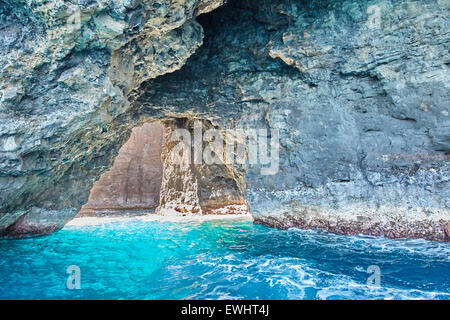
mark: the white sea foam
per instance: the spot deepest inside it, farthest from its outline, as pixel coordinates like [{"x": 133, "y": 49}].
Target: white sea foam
[{"x": 90, "y": 221}]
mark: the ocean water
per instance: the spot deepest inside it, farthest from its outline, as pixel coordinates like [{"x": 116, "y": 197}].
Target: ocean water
[{"x": 222, "y": 259}]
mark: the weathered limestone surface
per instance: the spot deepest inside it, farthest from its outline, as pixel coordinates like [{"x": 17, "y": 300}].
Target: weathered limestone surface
[{"x": 358, "y": 89}]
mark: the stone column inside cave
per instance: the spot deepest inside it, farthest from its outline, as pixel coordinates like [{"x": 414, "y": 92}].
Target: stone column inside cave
[{"x": 144, "y": 179}]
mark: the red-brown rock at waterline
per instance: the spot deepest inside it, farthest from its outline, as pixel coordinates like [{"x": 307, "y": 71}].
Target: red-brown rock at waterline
[
  {"x": 447, "y": 232},
  {"x": 386, "y": 222}
]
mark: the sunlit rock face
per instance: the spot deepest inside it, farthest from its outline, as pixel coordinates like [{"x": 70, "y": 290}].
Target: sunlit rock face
[
  {"x": 134, "y": 180},
  {"x": 198, "y": 188},
  {"x": 149, "y": 175}
]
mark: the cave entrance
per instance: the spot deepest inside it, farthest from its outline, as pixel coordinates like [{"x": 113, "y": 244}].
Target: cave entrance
[{"x": 145, "y": 179}]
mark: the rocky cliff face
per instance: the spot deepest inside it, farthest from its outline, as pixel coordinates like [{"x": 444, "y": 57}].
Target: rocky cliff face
[
  {"x": 357, "y": 89},
  {"x": 151, "y": 175},
  {"x": 196, "y": 187},
  {"x": 67, "y": 70},
  {"x": 359, "y": 92}
]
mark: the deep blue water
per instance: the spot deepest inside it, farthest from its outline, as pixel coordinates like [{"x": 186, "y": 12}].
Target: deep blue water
[{"x": 219, "y": 260}]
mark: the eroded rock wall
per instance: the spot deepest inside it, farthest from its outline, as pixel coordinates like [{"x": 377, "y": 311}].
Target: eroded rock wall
[
  {"x": 67, "y": 69},
  {"x": 357, "y": 89},
  {"x": 195, "y": 187},
  {"x": 360, "y": 93},
  {"x": 153, "y": 174}
]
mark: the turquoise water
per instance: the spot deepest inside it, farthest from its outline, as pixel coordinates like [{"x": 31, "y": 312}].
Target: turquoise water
[{"x": 219, "y": 260}]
